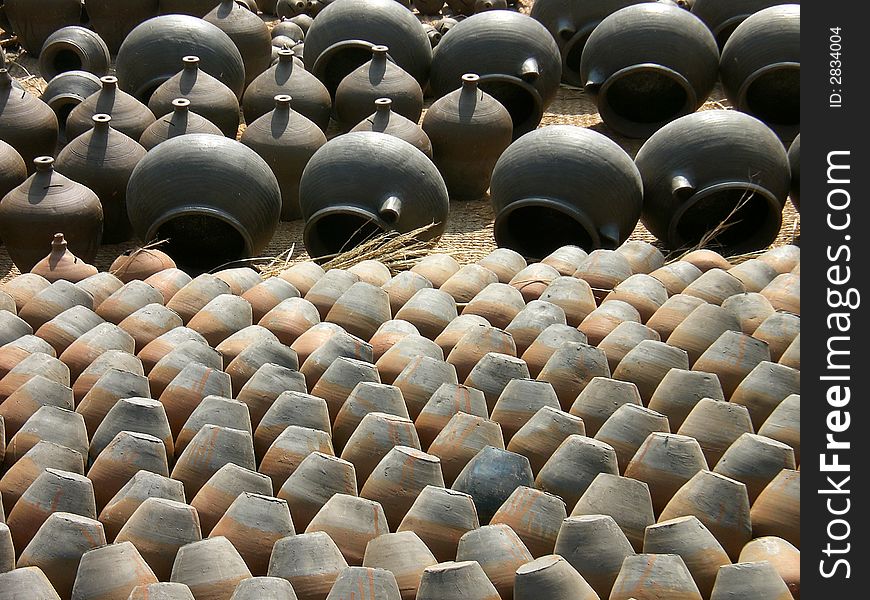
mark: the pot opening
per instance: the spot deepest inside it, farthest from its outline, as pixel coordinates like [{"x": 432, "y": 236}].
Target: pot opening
[
  {"x": 647, "y": 97},
  {"x": 201, "y": 242},
  {"x": 66, "y": 60},
  {"x": 338, "y": 231},
  {"x": 519, "y": 98},
  {"x": 774, "y": 96},
  {"x": 748, "y": 218},
  {"x": 537, "y": 228},
  {"x": 572, "y": 52},
  {"x": 336, "y": 64}
]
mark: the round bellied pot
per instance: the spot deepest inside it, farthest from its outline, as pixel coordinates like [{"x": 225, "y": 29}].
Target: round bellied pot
[
  {"x": 196, "y": 8},
  {"x": 534, "y": 192},
  {"x": 648, "y": 64},
  {"x": 129, "y": 116},
  {"x": 286, "y": 140},
  {"x": 763, "y": 79},
  {"x": 341, "y": 37},
  {"x": 517, "y": 60},
  {"x": 394, "y": 187},
  {"x": 44, "y": 204},
  {"x": 165, "y": 40},
  {"x": 384, "y": 120},
  {"x": 63, "y": 264},
  {"x": 288, "y": 76},
  {"x": 736, "y": 173},
  {"x": 113, "y": 21},
  {"x": 179, "y": 121},
  {"x": 247, "y": 31},
  {"x": 73, "y": 48},
  {"x": 67, "y": 90},
  {"x": 222, "y": 170},
  {"x": 33, "y": 23},
  {"x": 794, "y": 161},
  {"x": 723, "y": 17},
  {"x": 26, "y": 122},
  {"x": 469, "y": 130},
  {"x": 570, "y": 23},
  {"x": 13, "y": 171}
]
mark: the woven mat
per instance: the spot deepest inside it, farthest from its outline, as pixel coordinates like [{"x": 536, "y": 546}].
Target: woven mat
[{"x": 469, "y": 225}]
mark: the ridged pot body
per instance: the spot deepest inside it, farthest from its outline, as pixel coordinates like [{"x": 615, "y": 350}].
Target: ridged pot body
[
  {"x": 384, "y": 120},
  {"x": 26, "y": 122},
  {"x": 43, "y": 205},
  {"x": 247, "y": 31},
  {"x": 517, "y": 60},
  {"x": 697, "y": 169},
  {"x": 188, "y": 188},
  {"x": 469, "y": 130},
  {"x": 153, "y": 50},
  {"x": 129, "y": 116},
  {"x": 33, "y": 22},
  {"x": 760, "y": 68},
  {"x": 723, "y": 17},
  {"x": 534, "y": 192},
  {"x": 794, "y": 161},
  {"x": 648, "y": 64},
  {"x": 180, "y": 121},
  {"x": 196, "y": 8},
  {"x": 387, "y": 184},
  {"x": 67, "y": 90},
  {"x": 13, "y": 171},
  {"x": 71, "y": 48},
  {"x": 287, "y": 76},
  {"x": 341, "y": 37},
  {"x": 114, "y": 20}
]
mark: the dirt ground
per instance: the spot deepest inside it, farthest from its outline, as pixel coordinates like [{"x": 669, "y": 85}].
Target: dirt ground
[{"x": 469, "y": 225}]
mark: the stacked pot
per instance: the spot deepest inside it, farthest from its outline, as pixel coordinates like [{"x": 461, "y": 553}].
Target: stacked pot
[{"x": 566, "y": 425}]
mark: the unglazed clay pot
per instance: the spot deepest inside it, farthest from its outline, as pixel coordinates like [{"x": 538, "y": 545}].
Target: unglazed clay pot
[
  {"x": 341, "y": 40},
  {"x": 517, "y": 61},
  {"x": 723, "y": 19},
  {"x": 750, "y": 578},
  {"x": 49, "y": 202},
  {"x": 665, "y": 462},
  {"x": 73, "y": 47},
  {"x": 317, "y": 478},
  {"x": 603, "y": 270},
  {"x": 179, "y": 121},
  {"x": 716, "y": 425},
  {"x": 549, "y": 340},
  {"x": 440, "y": 580},
  {"x": 764, "y": 80},
  {"x": 440, "y": 517},
  {"x": 570, "y": 369},
  {"x": 777, "y": 509},
  {"x": 665, "y": 573},
  {"x": 384, "y": 120},
  {"x": 166, "y": 40},
  {"x": 26, "y": 123},
  {"x": 570, "y": 483},
  {"x": 351, "y": 522},
  {"x": 469, "y": 281},
  {"x": 784, "y": 424},
  {"x": 784, "y": 293},
  {"x": 223, "y": 233},
  {"x": 361, "y": 309},
  {"x": 375, "y": 436},
  {"x": 648, "y": 64},
  {"x": 622, "y": 339},
  {"x": 127, "y": 566},
  {"x": 365, "y": 583},
  {"x": 113, "y": 22},
  {"x": 63, "y": 264},
  {"x": 437, "y": 268},
  {"x": 169, "y": 281},
  {"x": 535, "y": 516},
  {"x": 247, "y": 31},
  {"x": 403, "y": 554},
  {"x": 420, "y": 379},
  {"x": 784, "y": 557},
  {"x": 692, "y": 185},
  {"x": 491, "y": 477},
  {"x": 701, "y": 327},
  {"x": 677, "y": 275},
  {"x": 499, "y": 551},
  {"x": 13, "y": 171},
  {"x": 596, "y": 547},
  {"x": 211, "y": 568},
  {"x": 130, "y": 116},
  {"x": 539, "y": 438},
  {"x": 27, "y": 580},
  {"x": 551, "y": 577},
  {"x": 391, "y": 169},
  {"x": 311, "y": 562},
  {"x": 162, "y": 591},
  {"x": 633, "y": 511},
  {"x": 33, "y": 26}
]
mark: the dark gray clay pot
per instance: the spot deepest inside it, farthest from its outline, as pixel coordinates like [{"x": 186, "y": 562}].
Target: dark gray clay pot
[
  {"x": 67, "y": 90},
  {"x": 73, "y": 48},
  {"x": 794, "y": 161},
  {"x": 723, "y": 17}
]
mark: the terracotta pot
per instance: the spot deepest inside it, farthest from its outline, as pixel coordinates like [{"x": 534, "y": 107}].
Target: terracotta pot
[
  {"x": 365, "y": 583},
  {"x": 666, "y": 574},
  {"x": 461, "y": 439},
  {"x": 158, "y": 529},
  {"x": 29, "y": 580},
  {"x": 750, "y": 578},
  {"x": 403, "y": 287},
  {"x": 340, "y": 379},
  {"x": 538, "y": 439},
  {"x": 648, "y": 363},
  {"x": 559, "y": 476},
  {"x": 289, "y": 319},
  {"x": 162, "y": 591},
  {"x": 291, "y": 408},
  {"x": 365, "y": 398},
  {"x": 570, "y": 369},
  {"x": 140, "y": 263},
  {"x": 499, "y": 551},
  {"x": 239, "y": 279},
  {"x": 603, "y": 270},
  {"x": 440, "y": 517},
  {"x": 211, "y": 568},
  {"x": 223, "y": 316},
  {"x": 732, "y": 358},
  {"x": 632, "y": 511},
  {"x": 33, "y": 365},
  {"x": 268, "y": 294},
  {"x": 317, "y": 478},
  {"x": 213, "y": 410},
  {"x": 463, "y": 120},
  {"x": 388, "y": 334},
  {"x": 533, "y": 320},
  {"x": 360, "y": 310},
  {"x": 265, "y": 386},
  {"x": 467, "y": 282},
  {"x": 749, "y": 309},
  {"x": 792, "y": 355},
  {"x": 164, "y": 344},
  {"x": 535, "y": 516},
  {"x": 198, "y": 463},
  {"x": 533, "y": 280},
  {"x": 302, "y": 275},
  {"x": 643, "y": 292},
  {"x": 251, "y": 359},
  {"x": 783, "y": 424},
  {"x": 289, "y": 449},
  {"x": 123, "y": 560},
  {"x": 27, "y": 123},
  {"x": 404, "y": 555},
  {"x": 782, "y": 258},
  {"x": 24, "y": 287},
  {"x": 311, "y": 562},
  {"x": 103, "y": 338},
  {"x": 504, "y": 262},
  {"x": 127, "y": 300},
  {"x": 184, "y": 355},
  {"x": 573, "y": 295},
  {"x": 600, "y": 399},
  {"x": 403, "y": 353},
  {"x": 18, "y": 478},
  {"x": 551, "y": 577},
  {"x": 187, "y": 390},
  {"x": 783, "y": 556},
  {"x": 642, "y": 256},
  {"x": 491, "y": 477},
  {"x": 596, "y": 547},
  {"x": 149, "y": 322},
  {"x": 142, "y": 486},
  {"x": 716, "y": 425},
  {"x": 113, "y": 468},
  {"x": 457, "y": 328},
  {"x": 437, "y": 268},
  {"x": 619, "y": 342},
  {"x": 215, "y": 497},
  {"x": 755, "y": 461},
  {"x": 679, "y": 392},
  {"x": 30, "y": 397},
  {"x": 48, "y": 423},
  {"x": 705, "y": 260},
  {"x": 606, "y": 318},
  {"x": 493, "y": 373},
  {"x": 260, "y": 587},
  {"x": 566, "y": 259},
  {"x": 754, "y": 274},
  {"x": 339, "y": 345},
  {"x": 546, "y": 344},
  {"x": 141, "y": 415},
  {"x": 352, "y": 522},
  {"x": 677, "y": 275},
  {"x": 665, "y": 462},
  {"x": 63, "y": 264},
  {"x": 169, "y": 282},
  {"x": 429, "y": 310},
  {"x": 376, "y": 434},
  {"x": 519, "y": 400},
  {"x": 447, "y": 400},
  {"x": 696, "y": 325},
  {"x": 715, "y": 286},
  {"x": 784, "y": 293},
  {"x": 498, "y": 303},
  {"x": 194, "y": 296},
  {"x": 247, "y": 32},
  {"x": 420, "y": 379},
  {"x": 439, "y": 580},
  {"x": 627, "y": 429},
  {"x": 778, "y": 331},
  {"x": 777, "y": 509}
]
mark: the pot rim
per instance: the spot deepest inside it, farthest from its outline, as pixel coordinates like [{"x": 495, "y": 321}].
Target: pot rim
[
  {"x": 573, "y": 76},
  {"x": 315, "y": 251},
  {"x": 634, "y": 129},
  {"x": 199, "y": 210},
  {"x": 538, "y": 114},
  {"x": 551, "y": 203},
  {"x": 320, "y": 63},
  {"x": 765, "y": 234},
  {"x": 786, "y": 132},
  {"x": 48, "y": 55},
  {"x": 736, "y": 19}
]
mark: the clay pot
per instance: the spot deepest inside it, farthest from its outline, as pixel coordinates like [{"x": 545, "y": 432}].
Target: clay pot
[
  {"x": 439, "y": 580},
  {"x": 289, "y": 319},
  {"x": 566, "y": 259},
  {"x": 778, "y": 331},
  {"x": 700, "y": 328},
  {"x": 784, "y": 293},
  {"x": 440, "y": 517},
  {"x": 100, "y": 286},
  {"x": 289, "y": 449},
  {"x": 732, "y": 358},
  {"x": 224, "y": 233},
  {"x": 213, "y": 410},
  {"x": 570, "y": 369},
  {"x": 14, "y": 171},
  {"x": 50, "y": 423},
  {"x": 627, "y": 429},
  {"x": 754, "y": 274},
  {"x": 337, "y": 43},
  {"x": 464, "y": 123},
  {"x": 522, "y": 74},
  {"x": 197, "y": 465},
  {"x": 679, "y": 392},
  {"x": 317, "y": 478},
  {"x": 547, "y": 207},
  {"x": 420, "y": 379},
  {"x": 648, "y": 363},
  {"x": 504, "y": 262},
  {"x": 404, "y": 555},
  {"x": 560, "y": 475},
  {"x": 264, "y": 388},
  {"x": 606, "y": 318},
  {"x": 264, "y": 587},
  {"x": 67, "y": 90},
  {"x": 339, "y": 345},
  {"x": 248, "y": 32},
  {"x": 783, "y": 424},
  {"x": 310, "y": 562},
  {"x": 632, "y": 511},
  {"x": 642, "y": 256},
  {"x": 148, "y": 323},
  {"x": 112, "y": 376},
  {"x": 128, "y": 567},
  {"x": 302, "y": 276},
  {"x": 30, "y": 397},
  {"x": 340, "y": 379},
  {"x": 429, "y": 310},
  {"x": 375, "y": 79},
  {"x": 162, "y": 591},
  {"x": 676, "y": 276},
  {"x": 447, "y": 400},
  {"x": 223, "y": 316},
  {"x": 755, "y": 460},
  {"x": 366, "y": 584},
  {"x": 33, "y": 28},
  {"x": 268, "y": 294},
  {"x": 211, "y": 568},
  {"x": 132, "y": 297},
  {"x": 762, "y": 390},
  {"x": 519, "y": 400},
  {"x": 437, "y": 268},
  {"x": 68, "y": 326},
  {"x": 782, "y": 258},
  {"x": 218, "y": 493},
  {"x": 723, "y": 20},
  {"x": 716, "y": 425},
  {"x": 777, "y": 507},
  {"x": 535, "y": 516},
  {"x": 461, "y": 439},
  {"x": 187, "y": 390},
  {"x": 361, "y": 309},
  {"x": 395, "y": 360},
  {"x": 164, "y": 344},
  {"x": 643, "y": 73},
  {"x": 763, "y": 81},
  {"x": 178, "y": 121},
  {"x": 623, "y": 339},
  {"x": 750, "y": 578},
  {"x": 329, "y": 288},
  {"x": 29, "y": 580},
  {"x": 129, "y": 116},
  {"x": 596, "y": 547},
  {"x": 499, "y": 551},
  {"x": 35, "y": 364},
  {"x": 457, "y": 328},
  {"x": 140, "y": 415},
  {"x": 17, "y": 350},
  {"x": 547, "y": 342},
  {"x": 26, "y": 469},
  {"x": 142, "y": 486},
  {"x": 26, "y": 123},
  {"x": 73, "y": 47},
  {"x": 783, "y": 556},
  {"x": 491, "y": 477},
  {"x": 706, "y": 259},
  {"x": 643, "y": 292},
  {"x": 399, "y": 478},
  {"x": 538, "y": 439},
  {"x": 351, "y": 522},
  {"x": 493, "y": 373},
  {"x": 792, "y": 355},
  {"x": 384, "y": 120},
  {"x": 667, "y": 574},
  {"x": 91, "y": 345},
  {"x": 113, "y": 468},
  {"x": 533, "y": 280},
  {"x": 403, "y": 287},
  {"x": 376, "y": 434},
  {"x": 293, "y": 408},
  {"x": 665, "y": 462},
  {"x": 7, "y": 551},
  {"x": 531, "y": 321},
  {"x": 551, "y": 577},
  {"x": 169, "y": 282}
]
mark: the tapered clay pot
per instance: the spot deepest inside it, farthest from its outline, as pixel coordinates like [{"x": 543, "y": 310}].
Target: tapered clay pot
[
  {"x": 491, "y": 477},
  {"x": 779, "y": 330},
  {"x": 376, "y": 434},
  {"x": 265, "y": 387},
  {"x": 199, "y": 462},
  {"x": 90, "y": 346},
  {"x": 714, "y": 286},
  {"x": 339, "y": 345},
  {"x": 420, "y": 379},
  {"x": 547, "y": 343},
  {"x": 498, "y": 303},
  {"x": 755, "y": 274},
  {"x": 190, "y": 299},
  {"x": 530, "y": 322},
  {"x": 437, "y": 268},
  {"x": 626, "y": 500},
  {"x": 150, "y": 322},
  {"x": 141, "y": 487},
  {"x": 402, "y": 288},
  {"x": 535, "y": 516},
  {"x": 504, "y": 262},
  {"x": 100, "y": 286},
  {"x": 750, "y": 310},
  {"x": 184, "y": 393},
  {"x": 574, "y": 296},
  {"x": 211, "y": 568},
  {"x": 559, "y": 475},
  {"x": 648, "y": 363},
  {"x": 403, "y": 554},
  {"x": 264, "y": 587},
  {"x": 747, "y": 578},
  {"x": 792, "y": 355},
  {"x": 600, "y": 399},
  {"x": 240, "y": 279},
  {"x": 128, "y": 453},
  {"x": 665, "y": 462},
  {"x": 533, "y": 280},
  {"x": 542, "y": 434},
  {"x": 302, "y": 275},
  {"x": 159, "y": 528},
  {"x": 27, "y": 580},
  {"x": 467, "y": 282},
  {"x": 606, "y": 318},
  {"x": 219, "y": 492},
  {"x": 519, "y": 400},
  {"x": 446, "y": 401},
  {"x": 596, "y": 547},
  {"x": 48, "y": 423},
  {"x": 360, "y": 310},
  {"x": 499, "y": 551},
  {"x": 429, "y": 310},
  {"x": 366, "y": 398},
  {"x": 699, "y": 327},
  {"x": 645, "y": 293},
  {"x": 169, "y": 282},
  {"x": 13, "y": 353},
  {"x": 716, "y": 425},
  {"x": 162, "y": 591},
  {"x": 317, "y": 478},
  {"x": 389, "y": 334},
  {"x": 127, "y": 300},
  {"x": 311, "y": 562},
  {"x": 493, "y": 372},
  {"x": 249, "y": 361},
  {"x": 340, "y": 379},
  {"x": 123, "y": 560},
  {"x": 289, "y": 319},
  {"x": 33, "y": 365},
  {"x": 289, "y": 449},
  {"x": 213, "y": 410},
  {"x": 391, "y": 364},
  {"x": 680, "y": 390},
  {"x": 165, "y": 344},
  {"x": 440, "y": 517},
  {"x": 351, "y": 522},
  {"x": 221, "y": 317},
  {"x": 25, "y": 471},
  {"x": 291, "y": 408},
  {"x": 241, "y": 340},
  {"x": 7, "y": 550},
  {"x": 440, "y": 580},
  {"x": 551, "y": 577},
  {"x": 456, "y": 329},
  {"x": 676, "y": 276},
  {"x": 142, "y": 415},
  {"x": 460, "y": 441},
  {"x": 732, "y": 358},
  {"x": 566, "y": 259},
  {"x": 623, "y": 339},
  {"x": 570, "y": 369},
  {"x": 268, "y": 294},
  {"x": 52, "y": 301},
  {"x": 784, "y": 424},
  {"x": 783, "y": 556},
  {"x": 755, "y": 461},
  {"x": 777, "y": 509},
  {"x": 24, "y": 287},
  {"x": 627, "y": 429},
  {"x": 63, "y": 264},
  {"x": 603, "y": 270},
  {"x": 329, "y": 288},
  {"x": 30, "y": 397},
  {"x": 762, "y": 390},
  {"x": 666, "y": 574},
  {"x": 365, "y": 583}
]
